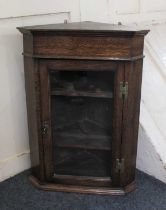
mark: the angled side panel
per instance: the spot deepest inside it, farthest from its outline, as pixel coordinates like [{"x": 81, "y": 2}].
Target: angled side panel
[{"x": 133, "y": 75}]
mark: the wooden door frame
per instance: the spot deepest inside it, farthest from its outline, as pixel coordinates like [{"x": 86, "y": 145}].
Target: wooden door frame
[
  {"x": 117, "y": 125},
  {"x": 88, "y": 65},
  {"x": 46, "y": 120}
]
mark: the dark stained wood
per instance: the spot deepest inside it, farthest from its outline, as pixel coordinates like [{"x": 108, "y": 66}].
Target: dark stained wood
[
  {"x": 82, "y": 180},
  {"x": 79, "y": 65},
  {"x": 131, "y": 109},
  {"x": 77, "y": 40},
  {"x": 82, "y": 189},
  {"x": 79, "y": 126},
  {"x": 137, "y": 46},
  {"x": 108, "y": 47},
  {"x": 53, "y": 45},
  {"x": 45, "y": 112},
  {"x": 33, "y": 114},
  {"x": 86, "y": 26},
  {"x": 131, "y": 58},
  {"x": 117, "y": 126},
  {"x": 28, "y": 43}
]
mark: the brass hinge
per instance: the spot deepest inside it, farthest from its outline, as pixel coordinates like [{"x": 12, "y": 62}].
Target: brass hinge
[
  {"x": 120, "y": 165},
  {"x": 123, "y": 90}
]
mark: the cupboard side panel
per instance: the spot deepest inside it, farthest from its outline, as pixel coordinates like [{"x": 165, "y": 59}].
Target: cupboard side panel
[
  {"x": 33, "y": 114},
  {"x": 133, "y": 75}
]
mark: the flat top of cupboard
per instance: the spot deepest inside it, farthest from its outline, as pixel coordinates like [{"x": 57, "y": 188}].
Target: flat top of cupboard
[{"x": 85, "y": 27}]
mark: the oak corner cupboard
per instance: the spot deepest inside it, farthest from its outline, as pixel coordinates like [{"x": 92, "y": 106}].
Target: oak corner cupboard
[{"x": 83, "y": 88}]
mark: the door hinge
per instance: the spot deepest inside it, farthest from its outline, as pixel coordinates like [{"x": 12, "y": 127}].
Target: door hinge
[
  {"x": 120, "y": 165},
  {"x": 44, "y": 128},
  {"x": 123, "y": 90}
]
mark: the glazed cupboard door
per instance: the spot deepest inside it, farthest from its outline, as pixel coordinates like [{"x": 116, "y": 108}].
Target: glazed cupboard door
[{"x": 82, "y": 105}]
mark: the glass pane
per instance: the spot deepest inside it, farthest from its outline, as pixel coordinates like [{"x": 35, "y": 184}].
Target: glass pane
[
  {"x": 81, "y": 113},
  {"x": 82, "y": 162},
  {"x": 81, "y": 81}
]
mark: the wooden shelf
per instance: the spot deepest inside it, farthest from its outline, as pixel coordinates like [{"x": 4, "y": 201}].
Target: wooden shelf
[
  {"x": 96, "y": 94},
  {"x": 93, "y": 142}
]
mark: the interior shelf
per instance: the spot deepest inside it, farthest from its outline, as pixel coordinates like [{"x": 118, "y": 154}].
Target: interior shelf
[
  {"x": 96, "y": 94},
  {"x": 83, "y": 141}
]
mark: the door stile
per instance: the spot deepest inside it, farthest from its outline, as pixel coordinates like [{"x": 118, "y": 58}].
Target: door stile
[
  {"x": 46, "y": 120},
  {"x": 117, "y": 127}
]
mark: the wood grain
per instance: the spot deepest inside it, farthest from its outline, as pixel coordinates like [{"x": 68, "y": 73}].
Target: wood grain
[
  {"x": 34, "y": 116},
  {"x": 81, "y": 189},
  {"x": 81, "y": 46},
  {"x": 89, "y": 126},
  {"x": 131, "y": 111}
]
